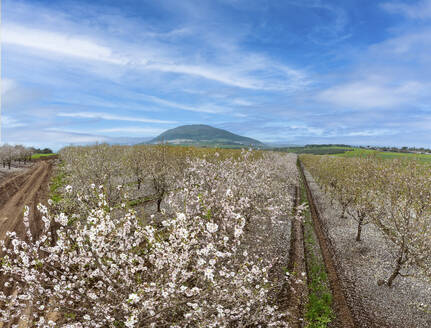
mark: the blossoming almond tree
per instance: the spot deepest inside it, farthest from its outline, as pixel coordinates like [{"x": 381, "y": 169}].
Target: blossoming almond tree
[
  {"x": 403, "y": 202},
  {"x": 394, "y": 195},
  {"x": 198, "y": 267}
]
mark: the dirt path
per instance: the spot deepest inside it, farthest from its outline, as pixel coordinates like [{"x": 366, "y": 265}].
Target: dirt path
[
  {"x": 297, "y": 294},
  {"x": 17, "y": 190},
  {"x": 341, "y": 306},
  {"x": 28, "y": 188}
]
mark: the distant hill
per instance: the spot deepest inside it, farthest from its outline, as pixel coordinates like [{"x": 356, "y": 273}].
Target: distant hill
[{"x": 200, "y": 134}]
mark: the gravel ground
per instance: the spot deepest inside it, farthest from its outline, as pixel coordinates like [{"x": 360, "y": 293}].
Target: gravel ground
[{"x": 365, "y": 262}]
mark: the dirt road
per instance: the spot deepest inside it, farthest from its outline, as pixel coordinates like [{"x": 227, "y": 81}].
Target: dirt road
[
  {"x": 17, "y": 190},
  {"x": 28, "y": 188}
]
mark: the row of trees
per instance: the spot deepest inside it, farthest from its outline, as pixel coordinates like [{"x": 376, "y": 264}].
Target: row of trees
[
  {"x": 394, "y": 195},
  {"x": 18, "y": 153},
  {"x": 213, "y": 258}
]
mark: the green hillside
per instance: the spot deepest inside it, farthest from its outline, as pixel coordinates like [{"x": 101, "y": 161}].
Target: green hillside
[{"x": 204, "y": 135}]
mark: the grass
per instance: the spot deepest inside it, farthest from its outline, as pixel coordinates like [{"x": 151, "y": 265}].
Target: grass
[
  {"x": 316, "y": 150},
  {"x": 57, "y": 181},
  {"x": 36, "y": 156},
  {"x": 319, "y": 312},
  {"x": 385, "y": 155}
]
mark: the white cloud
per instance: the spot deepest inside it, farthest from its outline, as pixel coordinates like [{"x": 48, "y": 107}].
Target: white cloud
[
  {"x": 369, "y": 94},
  {"x": 9, "y": 122},
  {"x": 225, "y": 76},
  {"x": 111, "y": 117},
  {"x": 67, "y": 137},
  {"x": 203, "y": 109},
  {"x": 242, "y": 102},
  {"x": 415, "y": 44},
  {"x": 370, "y": 133},
  {"x": 64, "y": 44},
  {"x": 133, "y": 130},
  {"x": 7, "y": 85},
  {"x": 419, "y": 10},
  {"x": 159, "y": 56}
]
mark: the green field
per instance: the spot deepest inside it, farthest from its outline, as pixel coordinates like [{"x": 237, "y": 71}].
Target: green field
[
  {"x": 348, "y": 151},
  {"x": 317, "y": 149},
  {"x": 357, "y": 152},
  {"x": 36, "y": 156}
]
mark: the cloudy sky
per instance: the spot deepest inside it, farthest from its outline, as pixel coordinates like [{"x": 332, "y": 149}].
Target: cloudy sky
[{"x": 300, "y": 71}]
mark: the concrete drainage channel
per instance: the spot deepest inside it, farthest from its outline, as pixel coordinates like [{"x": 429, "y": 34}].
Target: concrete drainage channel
[{"x": 324, "y": 302}]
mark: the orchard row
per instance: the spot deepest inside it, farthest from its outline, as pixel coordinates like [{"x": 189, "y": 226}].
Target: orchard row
[
  {"x": 393, "y": 195},
  {"x": 210, "y": 253},
  {"x": 18, "y": 153}
]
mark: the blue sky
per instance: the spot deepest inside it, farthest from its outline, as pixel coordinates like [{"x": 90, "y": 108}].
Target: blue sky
[{"x": 309, "y": 71}]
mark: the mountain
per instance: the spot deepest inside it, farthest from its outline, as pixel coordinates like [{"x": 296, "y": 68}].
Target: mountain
[{"x": 200, "y": 134}]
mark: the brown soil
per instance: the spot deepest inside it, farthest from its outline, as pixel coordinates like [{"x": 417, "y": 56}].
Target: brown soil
[
  {"x": 18, "y": 190},
  {"x": 342, "y": 308},
  {"x": 28, "y": 188}
]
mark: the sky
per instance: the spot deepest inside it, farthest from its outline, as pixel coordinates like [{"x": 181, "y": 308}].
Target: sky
[{"x": 290, "y": 72}]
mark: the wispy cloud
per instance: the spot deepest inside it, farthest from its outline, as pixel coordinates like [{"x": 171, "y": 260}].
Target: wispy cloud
[
  {"x": 371, "y": 133},
  {"x": 81, "y": 47},
  {"x": 9, "y": 122},
  {"x": 143, "y": 132},
  {"x": 303, "y": 71},
  {"x": 112, "y": 117},
  {"x": 7, "y": 85},
  {"x": 63, "y": 44},
  {"x": 200, "y": 108},
  {"x": 418, "y": 10},
  {"x": 372, "y": 94}
]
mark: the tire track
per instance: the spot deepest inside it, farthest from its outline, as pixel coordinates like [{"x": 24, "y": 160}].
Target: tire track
[
  {"x": 341, "y": 306},
  {"x": 28, "y": 189}
]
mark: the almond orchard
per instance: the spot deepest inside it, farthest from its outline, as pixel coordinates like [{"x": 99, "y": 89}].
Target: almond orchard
[{"x": 206, "y": 255}]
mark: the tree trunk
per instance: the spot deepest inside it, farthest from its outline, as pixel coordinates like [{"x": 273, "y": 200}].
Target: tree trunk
[
  {"x": 397, "y": 269},
  {"x": 360, "y": 223},
  {"x": 159, "y": 201}
]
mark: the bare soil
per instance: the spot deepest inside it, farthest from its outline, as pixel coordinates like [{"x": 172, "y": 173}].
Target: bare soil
[
  {"x": 29, "y": 187},
  {"x": 20, "y": 187}
]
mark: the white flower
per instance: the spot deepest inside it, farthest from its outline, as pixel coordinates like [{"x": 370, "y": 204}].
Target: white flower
[
  {"x": 133, "y": 298},
  {"x": 209, "y": 274},
  {"x": 181, "y": 217},
  {"x": 26, "y": 211},
  {"x": 68, "y": 189},
  {"x": 201, "y": 262},
  {"x": 238, "y": 232},
  {"x": 62, "y": 219},
  {"x": 212, "y": 227},
  {"x": 131, "y": 321}
]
